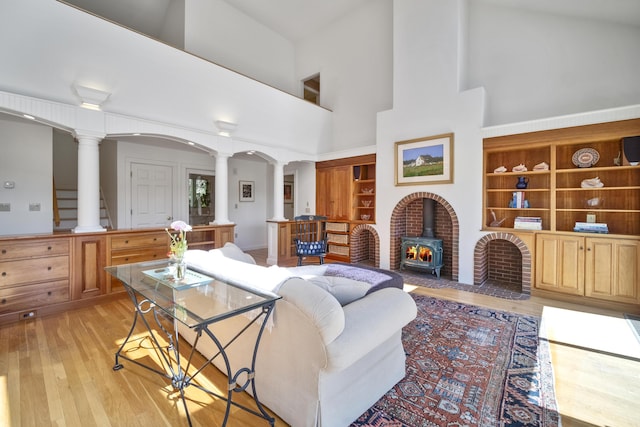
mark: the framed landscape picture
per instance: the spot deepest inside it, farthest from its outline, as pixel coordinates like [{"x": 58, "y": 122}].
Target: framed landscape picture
[
  {"x": 424, "y": 160},
  {"x": 247, "y": 189}
]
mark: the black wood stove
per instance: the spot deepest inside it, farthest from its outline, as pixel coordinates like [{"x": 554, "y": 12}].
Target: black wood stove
[{"x": 422, "y": 252}]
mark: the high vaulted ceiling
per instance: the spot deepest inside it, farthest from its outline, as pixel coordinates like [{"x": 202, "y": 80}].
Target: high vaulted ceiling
[{"x": 296, "y": 19}]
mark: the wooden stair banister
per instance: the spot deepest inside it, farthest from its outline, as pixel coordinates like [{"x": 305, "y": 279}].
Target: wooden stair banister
[{"x": 56, "y": 211}]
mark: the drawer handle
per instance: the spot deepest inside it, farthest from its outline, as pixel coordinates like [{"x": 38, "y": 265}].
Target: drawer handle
[
  {"x": 49, "y": 248},
  {"x": 126, "y": 242},
  {"x": 49, "y": 268},
  {"x": 49, "y": 293},
  {"x": 126, "y": 259},
  {"x": 4, "y": 300},
  {"x": 4, "y": 273},
  {"x": 4, "y": 251}
]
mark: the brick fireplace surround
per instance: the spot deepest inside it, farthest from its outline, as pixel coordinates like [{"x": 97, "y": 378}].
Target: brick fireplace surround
[{"x": 498, "y": 257}]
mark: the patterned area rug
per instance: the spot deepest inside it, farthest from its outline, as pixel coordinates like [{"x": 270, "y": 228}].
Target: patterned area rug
[{"x": 469, "y": 366}]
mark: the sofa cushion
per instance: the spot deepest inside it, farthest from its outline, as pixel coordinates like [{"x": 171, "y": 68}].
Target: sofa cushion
[
  {"x": 343, "y": 289},
  {"x": 230, "y": 250}
]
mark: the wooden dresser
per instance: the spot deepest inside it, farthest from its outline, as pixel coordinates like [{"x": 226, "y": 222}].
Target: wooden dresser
[{"x": 46, "y": 274}]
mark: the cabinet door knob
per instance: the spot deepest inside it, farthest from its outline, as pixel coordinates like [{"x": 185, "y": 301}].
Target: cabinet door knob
[
  {"x": 48, "y": 248},
  {"x": 4, "y": 251},
  {"x": 49, "y": 268},
  {"x": 4, "y": 300},
  {"x": 4, "y": 273},
  {"x": 589, "y": 249},
  {"x": 581, "y": 248}
]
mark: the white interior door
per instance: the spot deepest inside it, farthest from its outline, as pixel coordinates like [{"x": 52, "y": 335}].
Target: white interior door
[{"x": 151, "y": 195}]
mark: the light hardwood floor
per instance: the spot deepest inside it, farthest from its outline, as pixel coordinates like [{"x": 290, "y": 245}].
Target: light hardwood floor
[{"x": 57, "y": 371}]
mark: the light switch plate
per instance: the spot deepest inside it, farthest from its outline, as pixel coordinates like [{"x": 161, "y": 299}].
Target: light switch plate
[
  {"x": 34, "y": 207},
  {"x": 5, "y": 207}
]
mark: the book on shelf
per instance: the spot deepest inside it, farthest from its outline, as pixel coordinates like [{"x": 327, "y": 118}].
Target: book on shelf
[
  {"x": 528, "y": 223},
  {"x": 591, "y": 227},
  {"x": 518, "y": 200}
]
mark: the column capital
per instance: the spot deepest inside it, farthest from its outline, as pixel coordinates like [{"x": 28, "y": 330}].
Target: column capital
[{"x": 88, "y": 135}]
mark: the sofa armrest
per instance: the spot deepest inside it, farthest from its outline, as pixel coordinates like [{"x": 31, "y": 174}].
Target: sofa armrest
[
  {"x": 318, "y": 305},
  {"x": 368, "y": 322}
]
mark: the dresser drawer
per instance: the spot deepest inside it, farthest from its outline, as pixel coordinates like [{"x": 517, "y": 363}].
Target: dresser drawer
[
  {"x": 33, "y": 270},
  {"x": 138, "y": 255},
  {"x": 139, "y": 241},
  {"x": 16, "y": 250},
  {"x": 26, "y": 297}
]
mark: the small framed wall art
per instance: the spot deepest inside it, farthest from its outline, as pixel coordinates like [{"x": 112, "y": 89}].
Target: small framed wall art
[{"x": 247, "y": 191}]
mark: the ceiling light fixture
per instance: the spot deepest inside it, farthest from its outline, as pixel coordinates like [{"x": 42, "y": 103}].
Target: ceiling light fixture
[
  {"x": 225, "y": 128},
  {"x": 90, "y": 98}
]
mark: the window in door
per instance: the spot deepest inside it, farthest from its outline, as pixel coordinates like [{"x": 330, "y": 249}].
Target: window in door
[
  {"x": 311, "y": 89},
  {"x": 201, "y": 199}
]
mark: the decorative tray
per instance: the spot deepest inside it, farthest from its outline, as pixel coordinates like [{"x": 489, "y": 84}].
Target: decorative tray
[
  {"x": 166, "y": 277},
  {"x": 585, "y": 157}
]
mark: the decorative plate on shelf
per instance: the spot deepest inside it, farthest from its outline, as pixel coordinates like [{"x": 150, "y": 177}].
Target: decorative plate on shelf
[{"x": 585, "y": 157}]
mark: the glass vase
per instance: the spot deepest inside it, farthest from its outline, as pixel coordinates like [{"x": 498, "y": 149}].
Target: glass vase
[{"x": 181, "y": 269}]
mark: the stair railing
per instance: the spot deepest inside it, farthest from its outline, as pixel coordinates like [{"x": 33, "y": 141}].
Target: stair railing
[{"x": 56, "y": 211}]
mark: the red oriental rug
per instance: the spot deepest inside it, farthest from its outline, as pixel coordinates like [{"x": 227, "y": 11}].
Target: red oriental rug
[{"x": 469, "y": 366}]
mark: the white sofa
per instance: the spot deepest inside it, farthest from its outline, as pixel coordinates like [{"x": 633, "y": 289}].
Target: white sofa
[{"x": 320, "y": 363}]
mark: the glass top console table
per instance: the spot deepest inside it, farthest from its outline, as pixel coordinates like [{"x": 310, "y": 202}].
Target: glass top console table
[{"x": 197, "y": 301}]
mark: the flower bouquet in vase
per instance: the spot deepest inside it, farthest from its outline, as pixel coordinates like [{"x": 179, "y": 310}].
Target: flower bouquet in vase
[{"x": 178, "y": 246}]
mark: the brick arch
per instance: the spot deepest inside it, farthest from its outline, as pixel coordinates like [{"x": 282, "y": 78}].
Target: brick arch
[
  {"x": 361, "y": 246},
  {"x": 480, "y": 255},
  {"x": 398, "y": 229}
]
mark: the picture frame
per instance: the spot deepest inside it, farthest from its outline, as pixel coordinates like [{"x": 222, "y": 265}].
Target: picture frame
[
  {"x": 247, "y": 191},
  {"x": 424, "y": 160},
  {"x": 288, "y": 192}
]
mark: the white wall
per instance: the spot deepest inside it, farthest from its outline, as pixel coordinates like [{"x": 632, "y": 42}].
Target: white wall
[
  {"x": 27, "y": 161},
  {"x": 109, "y": 178},
  {"x": 173, "y": 29},
  {"x": 354, "y": 57},
  {"x": 535, "y": 65},
  {"x": 250, "y": 217},
  {"x": 217, "y": 31}
]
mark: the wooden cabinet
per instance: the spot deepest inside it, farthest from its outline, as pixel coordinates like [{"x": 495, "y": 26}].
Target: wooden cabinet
[
  {"x": 89, "y": 260},
  {"x": 333, "y": 196},
  {"x": 595, "y": 267},
  {"x": 601, "y": 267},
  {"x": 49, "y": 274},
  {"x": 560, "y": 263},
  {"x": 613, "y": 269},
  {"x": 33, "y": 273},
  {"x": 345, "y": 188}
]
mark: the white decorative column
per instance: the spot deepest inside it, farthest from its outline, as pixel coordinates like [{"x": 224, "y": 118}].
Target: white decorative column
[
  {"x": 88, "y": 183},
  {"x": 278, "y": 192},
  {"x": 222, "y": 189},
  {"x": 278, "y": 213}
]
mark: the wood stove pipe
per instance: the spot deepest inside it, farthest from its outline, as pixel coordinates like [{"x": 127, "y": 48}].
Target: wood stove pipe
[{"x": 428, "y": 217}]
